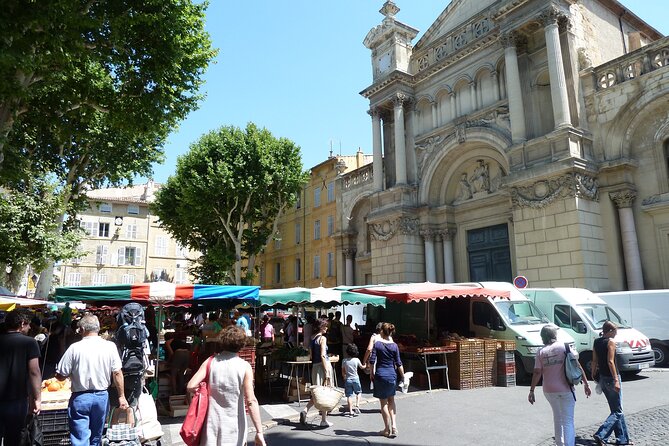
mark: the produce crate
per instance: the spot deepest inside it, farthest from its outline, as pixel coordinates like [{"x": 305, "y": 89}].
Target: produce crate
[
  {"x": 506, "y": 345},
  {"x": 505, "y": 356},
  {"x": 53, "y": 420},
  {"x": 506, "y": 380},
  {"x": 249, "y": 354},
  {"x": 60, "y": 438},
  {"x": 505, "y": 368}
]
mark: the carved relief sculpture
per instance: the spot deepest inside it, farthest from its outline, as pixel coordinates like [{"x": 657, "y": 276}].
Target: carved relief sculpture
[
  {"x": 544, "y": 192},
  {"x": 480, "y": 179},
  {"x": 464, "y": 189}
]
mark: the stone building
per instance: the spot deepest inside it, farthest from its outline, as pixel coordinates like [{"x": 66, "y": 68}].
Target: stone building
[
  {"x": 124, "y": 243},
  {"x": 515, "y": 137},
  {"x": 304, "y": 250}
]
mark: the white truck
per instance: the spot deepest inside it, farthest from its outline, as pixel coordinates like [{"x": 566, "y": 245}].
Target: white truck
[
  {"x": 581, "y": 313},
  {"x": 514, "y": 319},
  {"x": 648, "y": 311}
]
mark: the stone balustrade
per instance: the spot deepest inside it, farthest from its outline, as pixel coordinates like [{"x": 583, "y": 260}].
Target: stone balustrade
[
  {"x": 362, "y": 176},
  {"x": 633, "y": 65}
]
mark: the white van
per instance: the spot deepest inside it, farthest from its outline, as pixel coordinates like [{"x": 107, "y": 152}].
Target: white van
[
  {"x": 648, "y": 311},
  {"x": 581, "y": 314},
  {"x": 514, "y": 319}
]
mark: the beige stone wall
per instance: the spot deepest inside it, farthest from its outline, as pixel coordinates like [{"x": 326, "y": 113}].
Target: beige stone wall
[{"x": 399, "y": 259}]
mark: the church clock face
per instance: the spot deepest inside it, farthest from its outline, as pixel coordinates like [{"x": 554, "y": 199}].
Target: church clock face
[{"x": 384, "y": 62}]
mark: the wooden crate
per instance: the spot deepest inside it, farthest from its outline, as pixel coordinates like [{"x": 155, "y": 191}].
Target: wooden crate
[
  {"x": 178, "y": 405},
  {"x": 506, "y": 345}
]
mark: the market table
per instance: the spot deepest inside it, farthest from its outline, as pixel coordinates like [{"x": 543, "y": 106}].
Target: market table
[
  {"x": 427, "y": 353},
  {"x": 295, "y": 373}
]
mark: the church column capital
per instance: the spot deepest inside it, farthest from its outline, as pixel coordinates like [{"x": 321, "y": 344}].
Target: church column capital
[{"x": 623, "y": 198}]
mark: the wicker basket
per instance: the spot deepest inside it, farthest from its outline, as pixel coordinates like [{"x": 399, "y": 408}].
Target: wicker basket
[{"x": 326, "y": 398}]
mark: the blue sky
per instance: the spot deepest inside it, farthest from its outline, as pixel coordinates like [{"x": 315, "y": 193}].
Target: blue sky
[{"x": 296, "y": 67}]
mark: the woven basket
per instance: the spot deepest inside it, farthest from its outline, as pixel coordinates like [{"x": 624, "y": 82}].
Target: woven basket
[{"x": 326, "y": 398}]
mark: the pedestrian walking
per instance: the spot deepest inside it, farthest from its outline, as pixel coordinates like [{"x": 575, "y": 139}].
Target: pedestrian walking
[
  {"x": 349, "y": 368},
  {"x": 348, "y": 333},
  {"x": 230, "y": 384},
  {"x": 266, "y": 330},
  {"x": 605, "y": 366},
  {"x": 91, "y": 364},
  {"x": 20, "y": 376},
  {"x": 321, "y": 370},
  {"x": 385, "y": 365},
  {"x": 549, "y": 364}
]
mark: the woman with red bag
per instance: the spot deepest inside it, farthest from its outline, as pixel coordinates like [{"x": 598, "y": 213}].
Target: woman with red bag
[{"x": 230, "y": 382}]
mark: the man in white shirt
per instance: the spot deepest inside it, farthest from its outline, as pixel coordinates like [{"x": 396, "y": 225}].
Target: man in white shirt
[{"x": 91, "y": 364}]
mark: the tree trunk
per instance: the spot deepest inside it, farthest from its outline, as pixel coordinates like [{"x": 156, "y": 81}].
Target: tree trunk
[{"x": 46, "y": 277}]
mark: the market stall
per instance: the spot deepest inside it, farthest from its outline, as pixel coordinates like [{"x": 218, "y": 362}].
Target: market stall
[
  {"x": 296, "y": 361},
  {"x": 457, "y": 360}
]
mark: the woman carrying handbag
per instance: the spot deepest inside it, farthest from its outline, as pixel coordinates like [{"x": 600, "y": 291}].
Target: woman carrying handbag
[
  {"x": 229, "y": 382},
  {"x": 321, "y": 371}
]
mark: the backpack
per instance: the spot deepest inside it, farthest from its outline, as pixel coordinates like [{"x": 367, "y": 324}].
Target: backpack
[
  {"x": 131, "y": 338},
  {"x": 572, "y": 369}
]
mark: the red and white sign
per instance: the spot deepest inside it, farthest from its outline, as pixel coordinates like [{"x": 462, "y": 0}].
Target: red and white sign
[{"x": 520, "y": 282}]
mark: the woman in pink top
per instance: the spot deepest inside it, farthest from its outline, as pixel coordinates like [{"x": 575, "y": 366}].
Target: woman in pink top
[
  {"x": 549, "y": 364},
  {"x": 266, "y": 330}
]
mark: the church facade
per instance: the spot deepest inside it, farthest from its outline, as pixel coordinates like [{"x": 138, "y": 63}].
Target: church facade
[{"x": 516, "y": 137}]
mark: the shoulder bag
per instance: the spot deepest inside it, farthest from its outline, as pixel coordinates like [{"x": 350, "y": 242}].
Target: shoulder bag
[
  {"x": 572, "y": 370},
  {"x": 191, "y": 430}
]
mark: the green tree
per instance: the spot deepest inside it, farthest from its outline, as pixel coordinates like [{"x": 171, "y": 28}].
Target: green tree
[
  {"x": 139, "y": 61},
  {"x": 227, "y": 196},
  {"x": 91, "y": 90}
]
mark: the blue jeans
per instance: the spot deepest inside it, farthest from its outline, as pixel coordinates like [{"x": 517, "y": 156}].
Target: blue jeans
[
  {"x": 86, "y": 415},
  {"x": 615, "y": 423},
  {"x": 12, "y": 419}
]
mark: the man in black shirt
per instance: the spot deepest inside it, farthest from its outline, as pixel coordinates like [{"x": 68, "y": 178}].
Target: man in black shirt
[{"x": 20, "y": 376}]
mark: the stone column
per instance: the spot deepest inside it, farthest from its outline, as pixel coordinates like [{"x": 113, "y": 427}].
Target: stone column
[
  {"x": 449, "y": 264},
  {"x": 430, "y": 264},
  {"x": 513, "y": 88},
  {"x": 400, "y": 147},
  {"x": 472, "y": 95},
  {"x": 451, "y": 96},
  {"x": 349, "y": 255},
  {"x": 495, "y": 85},
  {"x": 559, "y": 95},
  {"x": 412, "y": 167},
  {"x": 377, "y": 161},
  {"x": 439, "y": 257},
  {"x": 623, "y": 201},
  {"x": 435, "y": 115}
]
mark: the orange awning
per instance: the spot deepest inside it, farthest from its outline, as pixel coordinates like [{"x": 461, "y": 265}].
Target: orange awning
[{"x": 416, "y": 292}]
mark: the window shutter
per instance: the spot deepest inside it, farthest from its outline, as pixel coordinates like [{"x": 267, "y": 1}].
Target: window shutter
[
  {"x": 138, "y": 257},
  {"x": 121, "y": 256}
]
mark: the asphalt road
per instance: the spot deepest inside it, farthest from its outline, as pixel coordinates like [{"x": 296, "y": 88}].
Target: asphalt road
[{"x": 496, "y": 416}]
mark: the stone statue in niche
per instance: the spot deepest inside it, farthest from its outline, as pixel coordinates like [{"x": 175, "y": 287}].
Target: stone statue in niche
[
  {"x": 464, "y": 189},
  {"x": 480, "y": 179}
]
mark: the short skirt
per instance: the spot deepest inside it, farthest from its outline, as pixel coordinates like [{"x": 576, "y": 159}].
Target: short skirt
[{"x": 384, "y": 388}]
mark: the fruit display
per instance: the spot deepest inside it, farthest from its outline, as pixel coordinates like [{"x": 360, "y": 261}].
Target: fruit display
[{"x": 53, "y": 385}]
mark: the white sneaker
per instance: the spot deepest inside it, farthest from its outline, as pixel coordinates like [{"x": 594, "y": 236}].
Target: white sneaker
[{"x": 325, "y": 424}]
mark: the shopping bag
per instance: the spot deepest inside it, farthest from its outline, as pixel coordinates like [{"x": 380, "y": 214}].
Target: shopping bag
[
  {"x": 31, "y": 435},
  {"x": 148, "y": 424},
  {"x": 122, "y": 431},
  {"x": 191, "y": 430}
]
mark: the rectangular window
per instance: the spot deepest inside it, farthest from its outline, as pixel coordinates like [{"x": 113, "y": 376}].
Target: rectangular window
[
  {"x": 317, "y": 267},
  {"x": 298, "y": 203},
  {"x": 277, "y": 242},
  {"x": 130, "y": 256},
  {"x": 277, "y": 272},
  {"x": 330, "y": 224},
  {"x": 90, "y": 227},
  {"x": 128, "y": 279},
  {"x": 133, "y": 209},
  {"x": 317, "y": 197},
  {"x": 298, "y": 233},
  {"x": 101, "y": 255},
  {"x": 161, "y": 246},
  {"x": 317, "y": 230},
  {"x": 73, "y": 279},
  {"x": 331, "y": 192},
  {"x": 298, "y": 270},
  {"x": 180, "y": 276},
  {"x": 106, "y": 208},
  {"x": 159, "y": 274},
  {"x": 99, "y": 279},
  {"x": 103, "y": 229},
  {"x": 182, "y": 251},
  {"x": 330, "y": 264},
  {"x": 131, "y": 231}
]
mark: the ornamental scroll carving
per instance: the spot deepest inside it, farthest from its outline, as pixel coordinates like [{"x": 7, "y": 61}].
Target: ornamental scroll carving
[
  {"x": 387, "y": 229},
  {"x": 623, "y": 198},
  {"x": 426, "y": 149},
  {"x": 544, "y": 192}
]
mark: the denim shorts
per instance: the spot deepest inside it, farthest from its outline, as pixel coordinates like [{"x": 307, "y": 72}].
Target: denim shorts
[{"x": 352, "y": 386}]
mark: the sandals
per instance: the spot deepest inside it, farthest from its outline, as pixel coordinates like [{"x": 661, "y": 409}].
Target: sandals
[
  {"x": 393, "y": 433},
  {"x": 385, "y": 433}
]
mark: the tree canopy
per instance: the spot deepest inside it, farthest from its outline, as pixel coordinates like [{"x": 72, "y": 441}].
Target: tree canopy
[
  {"x": 91, "y": 90},
  {"x": 227, "y": 196}
]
